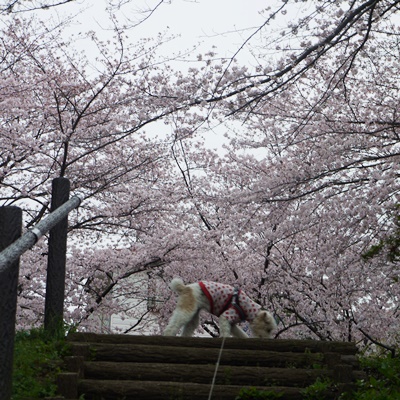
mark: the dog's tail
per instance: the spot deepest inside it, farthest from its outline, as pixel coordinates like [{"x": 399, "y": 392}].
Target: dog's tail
[{"x": 177, "y": 285}]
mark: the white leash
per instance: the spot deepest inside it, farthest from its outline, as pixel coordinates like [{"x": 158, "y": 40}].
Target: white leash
[{"x": 216, "y": 368}]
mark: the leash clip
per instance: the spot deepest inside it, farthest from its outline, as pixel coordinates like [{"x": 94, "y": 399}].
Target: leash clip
[
  {"x": 235, "y": 297},
  {"x": 236, "y": 305}
]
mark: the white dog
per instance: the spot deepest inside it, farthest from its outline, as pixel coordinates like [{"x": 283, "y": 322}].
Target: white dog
[{"x": 229, "y": 304}]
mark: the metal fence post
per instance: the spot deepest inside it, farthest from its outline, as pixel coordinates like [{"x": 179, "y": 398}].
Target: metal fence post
[
  {"x": 55, "y": 283},
  {"x": 10, "y": 230}
]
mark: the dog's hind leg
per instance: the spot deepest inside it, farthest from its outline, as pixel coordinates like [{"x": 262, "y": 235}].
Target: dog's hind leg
[
  {"x": 177, "y": 321},
  {"x": 191, "y": 326},
  {"x": 184, "y": 313}
]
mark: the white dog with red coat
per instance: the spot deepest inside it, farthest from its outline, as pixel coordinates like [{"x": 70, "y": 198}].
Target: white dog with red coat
[{"x": 226, "y": 302}]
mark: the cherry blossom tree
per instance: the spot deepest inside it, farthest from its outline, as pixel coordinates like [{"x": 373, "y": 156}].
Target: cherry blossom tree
[
  {"x": 311, "y": 183},
  {"x": 62, "y": 116},
  {"x": 306, "y": 183},
  {"x": 307, "y": 188}
]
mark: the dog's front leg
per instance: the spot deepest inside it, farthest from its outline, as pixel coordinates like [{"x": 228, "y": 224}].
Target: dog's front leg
[
  {"x": 224, "y": 327},
  {"x": 238, "y": 332}
]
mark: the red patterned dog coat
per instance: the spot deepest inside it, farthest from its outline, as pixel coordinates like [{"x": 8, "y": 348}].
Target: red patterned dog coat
[{"x": 220, "y": 297}]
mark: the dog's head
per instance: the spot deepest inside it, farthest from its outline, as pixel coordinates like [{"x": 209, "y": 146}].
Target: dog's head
[{"x": 263, "y": 325}]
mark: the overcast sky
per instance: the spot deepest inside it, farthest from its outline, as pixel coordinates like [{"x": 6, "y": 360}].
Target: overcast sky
[{"x": 223, "y": 23}]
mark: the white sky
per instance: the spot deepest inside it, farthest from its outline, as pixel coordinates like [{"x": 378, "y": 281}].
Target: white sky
[{"x": 223, "y": 23}]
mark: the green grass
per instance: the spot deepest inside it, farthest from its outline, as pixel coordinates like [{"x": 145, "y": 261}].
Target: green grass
[
  {"x": 383, "y": 382},
  {"x": 253, "y": 393},
  {"x": 37, "y": 361}
]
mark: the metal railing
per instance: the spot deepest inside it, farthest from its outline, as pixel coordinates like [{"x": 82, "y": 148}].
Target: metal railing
[
  {"x": 13, "y": 245},
  {"x": 9, "y": 255}
]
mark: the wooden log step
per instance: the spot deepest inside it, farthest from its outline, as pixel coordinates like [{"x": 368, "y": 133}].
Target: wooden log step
[
  {"x": 154, "y": 390},
  {"x": 281, "y": 345},
  {"x": 227, "y": 375},
  {"x": 187, "y": 355}
]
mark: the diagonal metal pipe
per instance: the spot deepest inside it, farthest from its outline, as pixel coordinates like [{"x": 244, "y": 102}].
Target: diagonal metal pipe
[{"x": 25, "y": 242}]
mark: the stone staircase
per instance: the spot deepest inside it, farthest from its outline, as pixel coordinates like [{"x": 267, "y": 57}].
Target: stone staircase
[{"x": 122, "y": 367}]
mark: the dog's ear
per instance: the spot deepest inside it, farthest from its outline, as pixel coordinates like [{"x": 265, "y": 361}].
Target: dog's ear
[
  {"x": 268, "y": 318},
  {"x": 265, "y": 315}
]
